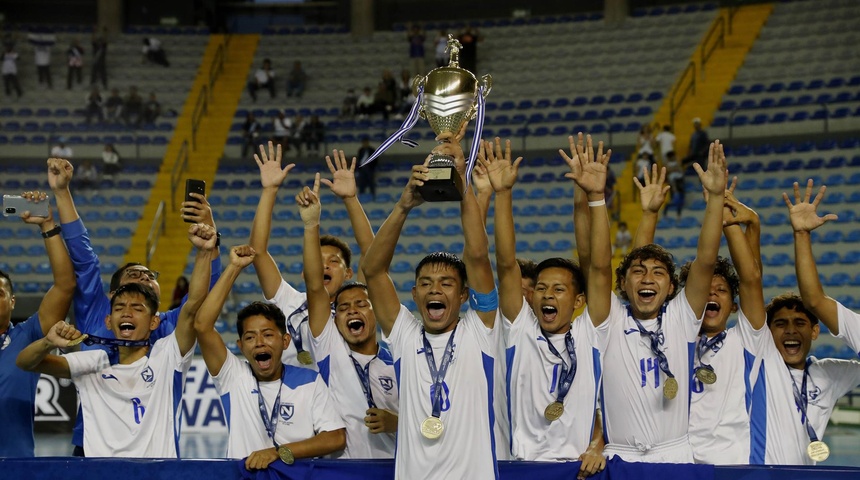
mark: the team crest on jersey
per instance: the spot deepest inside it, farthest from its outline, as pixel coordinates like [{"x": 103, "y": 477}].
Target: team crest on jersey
[
  {"x": 147, "y": 375},
  {"x": 813, "y": 393},
  {"x": 386, "y": 382},
  {"x": 286, "y": 411}
]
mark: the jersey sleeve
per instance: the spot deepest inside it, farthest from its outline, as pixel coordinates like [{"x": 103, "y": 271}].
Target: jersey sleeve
[
  {"x": 511, "y": 328},
  {"x": 229, "y": 374},
  {"x": 487, "y": 338},
  {"x": 168, "y": 319},
  {"x": 287, "y": 298},
  {"x": 91, "y": 305},
  {"x": 844, "y": 375},
  {"x": 679, "y": 310},
  {"x": 326, "y": 417},
  {"x": 617, "y": 312},
  {"x": 321, "y": 346},
  {"x": 169, "y": 347},
  {"x": 405, "y": 326},
  {"x": 754, "y": 341},
  {"x": 31, "y": 328},
  {"x": 85, "y": 363},
  {"x": 849, "y": 327}
]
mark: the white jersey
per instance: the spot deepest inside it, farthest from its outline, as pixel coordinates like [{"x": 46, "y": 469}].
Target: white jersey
[
  {"x": 305, "y": 407},
  {"x": 465, "y": 449},
  {"x": 294, "y": 304},
  {"x": 131, "y": 410},
  {"x": 719, "y": 413},
  {"x": 781, "y": 437},
  {"x": 635, "y": 412},
  {"x": 533, "y": 374},
  {"x": 501, "y": 406},
  {"x": 338, "y": 370}
]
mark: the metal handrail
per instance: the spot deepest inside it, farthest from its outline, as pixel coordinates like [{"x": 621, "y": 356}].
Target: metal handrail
[
  {"x": 675, "y": 106},
  {"x": 736, "y": 110},
  {"x": 159, "y": 225},
  {"x": 732, "y": 12},
  {"x": 179, "y": 166},
  {"x": 706, "y": 51},
  {"x": 216, "y": 67},
  {"x": 201, "y": 107}
]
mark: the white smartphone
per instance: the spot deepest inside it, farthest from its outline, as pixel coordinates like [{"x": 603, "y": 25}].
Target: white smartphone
[{"x": 16, "y": 205}]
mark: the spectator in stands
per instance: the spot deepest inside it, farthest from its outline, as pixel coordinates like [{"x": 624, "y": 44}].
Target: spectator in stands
[
  {"x": 364, "y": 104},
  {"x": 366, "y": 176},
  {"x": 133, "y": 108},
  {"x": 179, "y": 291},
  {"x": 250, "y": 133},
  {"x": 9, "y": 69},
  {"x": 699, "y": 143},
  {"x": 151, "y": 110},
  {"x": 61, "y": 150},
  {"x": 99, "y": 69},
  {"x": 153, "y": 52},
  {"x": 404, "y": 91},
  {"x": 469, "y": 51},
  {"x": 416, "y": 39},
  {"x": 383, "y": 100},
  {"x": 666, "y": 141},
  {"x": 299, "y": 122},
  {"x": 390, "y": 82},
  {"x": 349, "y": 107},
  {"x": 645, "y": 143},
  {"x": 675, "y": 176},
  {"x": 296, "y": 80},
  {"x": 113, "y": 106},
  {"x": 264, "y": 77},
  {"x": 42, "y": 59},
  {"x": 442, "y": 55},
  {"x": 87, "y": 176},
  {"x": 623, "y": 240},
  {"x": 94, "y": 106},
  {"x": 313, "y": 133},
  {"x": 110, "y": 160},
  {"x": 75, "y": 55},
  {"x": 281, "y": 130}
]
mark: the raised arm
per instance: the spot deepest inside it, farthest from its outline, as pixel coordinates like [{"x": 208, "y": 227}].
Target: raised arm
[
  {"x": 651, "y": 196},
  {"x": 211, "y": 343},
  {"x": 377, "y": 261},
  {"x": 749, "y": 271},
  {"x": 55, "y": 304},
  {"x": 319, "y": 301},
  {"x": 702, "y": 268},
  {"x": 271, "y": 177},
  {"x": 203, "y": 238},
  {"x": 483, "y": 192},
  {"x": 502, "y": 175},
  {"x": 581, "y": 215},
  {"x": 37, "y": 357},
  {"x": 60, "y": 174},
  {"x": 589, "y": 172},
  {"x": 804, "y": 219},
  {"x": 342, "y": 184}
]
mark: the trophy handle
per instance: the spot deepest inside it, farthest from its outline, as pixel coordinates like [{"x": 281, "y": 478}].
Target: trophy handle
[
  {"x": 418, "y": 83},
  {"x": 487, "y": 83}
]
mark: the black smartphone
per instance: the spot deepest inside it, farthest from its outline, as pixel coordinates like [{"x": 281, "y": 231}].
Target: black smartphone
[{"x": 193, "y": 186}]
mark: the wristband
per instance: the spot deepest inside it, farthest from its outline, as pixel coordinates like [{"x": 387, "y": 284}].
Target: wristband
[
  {"x": 50, "y": 233},
  {"x": 597, "y": 203},
  {"x": 484, "y": 302},
  {"x": 218, "y": 239}
]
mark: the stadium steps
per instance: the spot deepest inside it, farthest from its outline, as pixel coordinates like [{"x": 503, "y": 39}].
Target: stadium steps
[{"x": 173, "y": 246}]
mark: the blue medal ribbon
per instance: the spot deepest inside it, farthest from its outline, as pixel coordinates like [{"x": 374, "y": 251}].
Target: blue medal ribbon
[
  {"x": 113, "y": 345},
  {"x": 656, "y": 339},
  {"x": 399, "y": 135},
  {"x": 270, "y": 422},
  {"x": 438, "y": 375},
  {"x": 476, "y": 141},
  {"x": 565, "y": 380},
  {"x": 364, "y": 379},
  {"x": 704, "y": 345},
  {"x": 802, "y": 401}
]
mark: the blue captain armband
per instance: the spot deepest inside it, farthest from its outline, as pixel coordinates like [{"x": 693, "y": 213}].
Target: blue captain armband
[{"x": 484, "y": 302}]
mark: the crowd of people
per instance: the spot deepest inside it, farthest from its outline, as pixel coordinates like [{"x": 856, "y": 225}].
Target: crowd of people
[{"x": 648, "y": 372}]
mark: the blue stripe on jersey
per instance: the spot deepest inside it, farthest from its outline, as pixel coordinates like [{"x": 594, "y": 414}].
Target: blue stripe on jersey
[
  {"x": 225, "y": 402},
  {"x": 691, "y": 354},
  {"x": 325, "y": 368},
  {"x": 384, "y": 354},
  {"x": 397, "y": 374},
  {"x": 510, "y": 353},
  {"x": 595, "y": 359},
  {"x": 603, "y": 410},
  {"x": 488, "y": 362},
  {"x": 178, "y": 387},
  {"x": 295, "y": 377},
  {"x": 757, "y": 407}
]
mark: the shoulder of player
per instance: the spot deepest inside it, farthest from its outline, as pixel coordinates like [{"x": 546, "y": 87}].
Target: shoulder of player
[{"x": 295, "y": 377}]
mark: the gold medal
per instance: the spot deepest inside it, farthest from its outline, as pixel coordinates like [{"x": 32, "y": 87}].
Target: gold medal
[
  {"x": 305, "y": 357},
  {"x": 706, "y": 375},
  {"x": 77, "y": 341},
  {"x": 432, "y": 428},
  {"x": 670, "y": 388},
  {"x": 553, "y": 411},
  {"x": 818, "y": 451}
]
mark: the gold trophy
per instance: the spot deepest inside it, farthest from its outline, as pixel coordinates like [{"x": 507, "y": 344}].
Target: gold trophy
[{"x": 449, "y": 100}]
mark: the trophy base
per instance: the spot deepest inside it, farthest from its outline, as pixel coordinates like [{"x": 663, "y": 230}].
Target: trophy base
[{"x": 444, "y": 184}]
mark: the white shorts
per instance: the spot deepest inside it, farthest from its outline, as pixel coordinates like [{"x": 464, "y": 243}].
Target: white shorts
[{"x": 672, "y": 451}]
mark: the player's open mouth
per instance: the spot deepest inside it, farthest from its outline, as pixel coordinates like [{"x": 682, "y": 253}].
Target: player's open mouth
[
  {"x": 264, "y": 360},
  {"x": 647, "y": 294},
  {"x": 126, "y": 329},
  {"x": 792, "y": 347},
  {"x": 435, "y": 310},
  {"x": 355, "y": 326},
  {"x": 712, "y": 309},
  {"x": 549, "y": 313},
  {"x": 326, "y": 279}
]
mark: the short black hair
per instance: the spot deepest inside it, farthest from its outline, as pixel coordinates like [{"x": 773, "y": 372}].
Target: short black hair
[
  {"x": 791, "y": 301},
  {"x": 723, "y": 268},
  {"x": 348, "y": 286},
  {"x": 652, "y": 251},
  {"x": 528, "y": 268},
  {"x": 117, "y": 275},
  {"x": 345, "y": 251},
  {"x": 9, "y": 281},
  {"x": 444, "y": 258},
  {"x": 146, "y": 291},
  {"x": 578, "y": 278},
  {"x": 264, "y": 309}
]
